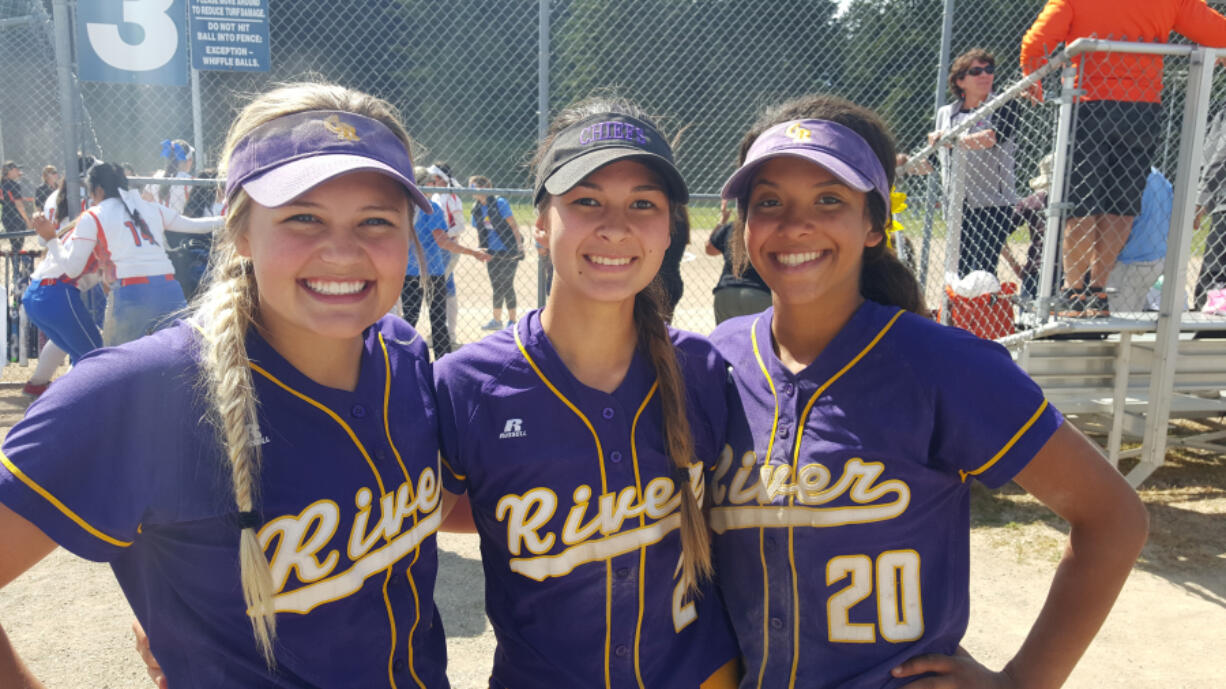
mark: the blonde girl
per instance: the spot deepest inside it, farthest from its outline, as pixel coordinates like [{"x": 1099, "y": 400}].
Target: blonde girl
[
  {"x": 263, "y": 478},
  {"x": 580, "y": 434}
]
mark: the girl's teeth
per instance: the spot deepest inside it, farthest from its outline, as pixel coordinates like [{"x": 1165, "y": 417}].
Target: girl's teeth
[
  {"x": 333, "y": 287},
  {"x": 797, "y": 259},
  {"x": 609, "y": 261}
]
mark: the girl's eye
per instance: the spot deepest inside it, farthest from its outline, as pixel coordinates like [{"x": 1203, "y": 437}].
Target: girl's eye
[
  {"x": 829, "y": 200},
  {"x": 586, "y": 201},
  {"x": 376, "y": 221},
  {"x": 642, "y": 204},
  {"x": 302, "y": 218},
  {"x": 766, "y": 202}
]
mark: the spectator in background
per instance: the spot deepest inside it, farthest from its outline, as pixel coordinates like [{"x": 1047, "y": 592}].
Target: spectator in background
[
  {"x": 1139, "y": 264},
  {"x": 437, "y": 247},
  {"x": 988, "y": 150},
  {"x": 190, "y": 252},
  {"x": 453, "y": 210},
  {"x": 12, "y": 203},
  {"x": 499, "y": 235},
  {"x": 51, "y": 181},
  {"x": 179, "y": 156},
  {"x": 1211, "y": 201},
  {"x": 735, "y": 295},
  {"x": 1115, "y": 139},
  {"x": 1032, "y": 211}
]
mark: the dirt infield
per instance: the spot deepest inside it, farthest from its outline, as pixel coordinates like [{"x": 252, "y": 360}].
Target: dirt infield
[{"x": 1168, "y": 630}]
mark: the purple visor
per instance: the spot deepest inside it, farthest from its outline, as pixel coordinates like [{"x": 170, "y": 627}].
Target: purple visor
[
  {"x": 831, "y": 145},
  {"x": 284, "y": 158}
]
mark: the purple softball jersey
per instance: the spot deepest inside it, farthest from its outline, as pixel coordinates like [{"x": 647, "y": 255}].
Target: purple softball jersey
[
  {"x": 578, "y": 508},
  {"x": 116, "y": 463},
  {"x": 841, "y": 502}
]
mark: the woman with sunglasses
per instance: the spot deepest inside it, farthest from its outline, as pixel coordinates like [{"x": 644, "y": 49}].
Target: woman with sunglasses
[{"x": 987, "y": 154}]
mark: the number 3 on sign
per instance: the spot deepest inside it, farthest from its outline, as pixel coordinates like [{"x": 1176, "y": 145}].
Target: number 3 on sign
[
  {"x": 156, "y": 48},
  {"x": 900, "y": 614}
]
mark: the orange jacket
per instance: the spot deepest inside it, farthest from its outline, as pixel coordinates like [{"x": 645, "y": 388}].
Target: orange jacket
[{"x": 1118, "y": 76}]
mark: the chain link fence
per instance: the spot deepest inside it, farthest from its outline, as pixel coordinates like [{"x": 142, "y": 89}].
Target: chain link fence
[{"x": 470, "y": 77}]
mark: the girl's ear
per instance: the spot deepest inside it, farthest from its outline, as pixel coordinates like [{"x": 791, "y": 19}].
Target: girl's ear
[
  {"x": 242, "y": 246},
  {"x": 874, "y": 237},
  {"x": 541, "y": 229}
]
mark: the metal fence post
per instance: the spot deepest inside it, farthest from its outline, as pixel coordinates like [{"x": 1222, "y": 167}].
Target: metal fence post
[
  {"x": 1178, "y": 251},
  {"x": 68, "y": 128},
  {"x": 947, "y": 29},
  {"x": 198, "y": 122},
  {"x": 1055, "y": 194},
  {"x": 543, "y": 267}
]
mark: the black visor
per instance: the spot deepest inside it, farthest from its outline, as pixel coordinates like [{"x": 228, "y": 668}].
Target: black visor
[{"x": 595, "y": 141}]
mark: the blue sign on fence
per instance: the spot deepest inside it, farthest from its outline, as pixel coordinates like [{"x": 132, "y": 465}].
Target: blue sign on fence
[
  {"x": 230, "y": 35},
  {"x": 132, "y": 41}
]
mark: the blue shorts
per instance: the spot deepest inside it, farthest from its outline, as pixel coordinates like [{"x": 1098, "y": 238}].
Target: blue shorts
[
  {"x": 58, "y": 311},
  {"x": 137, "y": 309}
]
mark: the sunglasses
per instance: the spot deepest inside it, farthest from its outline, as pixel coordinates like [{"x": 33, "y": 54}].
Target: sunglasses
[{"x": 976, "y": 71}]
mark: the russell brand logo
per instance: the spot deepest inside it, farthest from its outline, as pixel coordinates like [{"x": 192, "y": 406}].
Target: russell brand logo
[{"x": 514, "y": 428}]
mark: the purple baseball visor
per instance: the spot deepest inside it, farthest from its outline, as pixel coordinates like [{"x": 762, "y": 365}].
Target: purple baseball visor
[
  {"x": 284, "y": 158},
  {"x": 597, "y": 140},
  {"x": 831, "y": 145}
]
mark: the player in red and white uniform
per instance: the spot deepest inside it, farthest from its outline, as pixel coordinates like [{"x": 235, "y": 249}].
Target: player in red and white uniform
[{"x": 131, "y": 233}]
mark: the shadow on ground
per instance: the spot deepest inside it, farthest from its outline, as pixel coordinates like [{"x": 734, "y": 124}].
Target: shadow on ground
[{"x": 1186, "y": 501}]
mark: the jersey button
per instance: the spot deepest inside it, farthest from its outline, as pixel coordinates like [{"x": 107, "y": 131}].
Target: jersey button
[
  {"x": 622, "y": 572},
  {"x": 358, "y": 411},
  {"x": 398, "y": 665},
  {"x": 607, "y": 413},
  {"x": 784, "y": 432},
  {"x": 789, "y": 389},
  {"x": 770, "y": 543},
  {"x": 615, "y": 456},
  {"x": 622, "y": 650},
  {"x": 776, "y": 623}
]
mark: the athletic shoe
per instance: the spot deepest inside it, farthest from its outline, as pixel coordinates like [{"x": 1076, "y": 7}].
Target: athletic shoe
[
  {"x": 34, "y": 390},
  {"x": 1072, "y": 303},
  {"x": 494, "y": 324},
  {"x": 1097, "y": 305}
]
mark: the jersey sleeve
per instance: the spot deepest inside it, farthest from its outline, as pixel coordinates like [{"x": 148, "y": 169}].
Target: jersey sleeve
[
  {"x": 990, "y": 418},
  {"x": 81, "y": 244},
  {"x": 181, "y": 223},
  {"x": 454, "y": 467},
  {"x": 504, "y": 208},
  {"x": 705, "y": 374},
  {"x": 86, "y": 463}
]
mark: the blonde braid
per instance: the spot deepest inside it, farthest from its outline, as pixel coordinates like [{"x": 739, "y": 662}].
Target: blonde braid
[
  {"x": 679, "y": 443},
  {"x": 226, "y": 312},
  {"x": 228, "y": 308}
]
